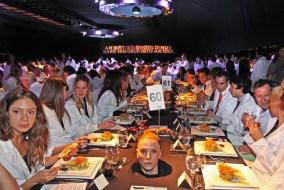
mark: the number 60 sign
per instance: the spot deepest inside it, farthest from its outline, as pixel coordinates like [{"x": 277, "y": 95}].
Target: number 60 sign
[{"x": 155, "y": 97}]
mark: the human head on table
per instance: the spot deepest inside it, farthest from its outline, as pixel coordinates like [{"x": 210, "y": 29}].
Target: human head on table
[{"x": 148, "y": 152}]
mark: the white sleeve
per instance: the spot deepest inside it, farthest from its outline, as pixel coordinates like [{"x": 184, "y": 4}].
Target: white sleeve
[{"x": 106, "y": 106}]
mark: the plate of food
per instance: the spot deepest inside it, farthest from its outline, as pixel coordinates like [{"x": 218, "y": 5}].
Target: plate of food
[
  {"x": 214, "y": 148},
  {"x": 68, "y": 151},
  {"x": 200, "y": 119},
  {"x": 106, "y": 138},
  {"x": 161, "y": 130},
  {"x": 229, "y": 176},
  {"x": 123, "y": 119},
  {"x": 196, "y": 111},
  {"x": 207, "y": 130},
  {"x": 79, "y": 167}
]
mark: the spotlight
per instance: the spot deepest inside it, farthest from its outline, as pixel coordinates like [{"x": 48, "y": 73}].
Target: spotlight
[{"x": 136, "y": 10}]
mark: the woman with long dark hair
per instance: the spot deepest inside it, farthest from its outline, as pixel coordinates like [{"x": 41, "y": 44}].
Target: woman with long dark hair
[
  {"x": 24, "y": 138},
  {"x": 113, "y": 94}
]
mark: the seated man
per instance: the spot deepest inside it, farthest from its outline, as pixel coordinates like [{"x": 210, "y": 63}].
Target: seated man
[{"x": 148, "y": 154}]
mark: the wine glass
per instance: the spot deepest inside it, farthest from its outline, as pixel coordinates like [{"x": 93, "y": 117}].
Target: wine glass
[
  {"x": 192, "y": 165},
  {"x": 184, "y": 135},
  {"x": 122, "y": 138},
  {"x": 112, "y": 155}
]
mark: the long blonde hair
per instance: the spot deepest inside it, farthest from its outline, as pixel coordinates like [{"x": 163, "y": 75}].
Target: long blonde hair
[{"x": 88, "y": 97}]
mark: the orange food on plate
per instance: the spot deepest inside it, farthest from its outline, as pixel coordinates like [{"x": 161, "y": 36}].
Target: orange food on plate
[
  {"x": 106, "y": 136},
  {"x": 124, "y": 116},
  {"x": 228, "y": 173},
  {"x": 211, "y": 145},
  {"x": 204, "y": 128}
]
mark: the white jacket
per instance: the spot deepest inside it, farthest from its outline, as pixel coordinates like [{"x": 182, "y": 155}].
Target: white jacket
[
  {"x": 233, "y": 124},
  {"x": 107, "y": 104},
  {"x": 81, "y": 124},
  {"x": 263, "y": 118},
  {"x": 269, "y": 163},
  {"x": 57, "y": 135}
]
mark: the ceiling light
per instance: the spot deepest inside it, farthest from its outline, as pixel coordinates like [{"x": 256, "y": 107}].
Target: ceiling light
[
  {"x": 102, "y": 33},
  {"x": 136, "y": 8}
]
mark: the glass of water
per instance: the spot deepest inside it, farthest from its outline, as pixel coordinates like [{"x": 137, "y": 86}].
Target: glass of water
[
  {"x": 192, "y": 164},
  {"x": 122, "y": 138},
  {"x": 112, "y": 155}
]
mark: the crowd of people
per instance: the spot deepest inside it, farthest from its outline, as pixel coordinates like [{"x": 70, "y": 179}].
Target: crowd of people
[{"x": 47, "y": 105}]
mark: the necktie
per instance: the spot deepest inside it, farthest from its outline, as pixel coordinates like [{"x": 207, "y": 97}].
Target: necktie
[
  {"x": 218, "y": 103},
  {"x": 236, "y": 106}
]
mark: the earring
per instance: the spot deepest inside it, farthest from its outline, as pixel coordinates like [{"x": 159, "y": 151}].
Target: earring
[{"x": 27, "y": 137}]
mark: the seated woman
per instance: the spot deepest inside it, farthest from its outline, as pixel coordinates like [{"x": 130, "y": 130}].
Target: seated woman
[
  {"x": 148, "y": 153},
  {"x": 24, "y": 138},
  {"x": 269, "y": 163},
  {"x": 82, "y": 109},
  {"x": 6, "y": 180},
  {"x": 113, "y": 94}
]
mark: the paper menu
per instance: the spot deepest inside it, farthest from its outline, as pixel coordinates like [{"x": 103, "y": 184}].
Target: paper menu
[{"x": 69, "y": 186}]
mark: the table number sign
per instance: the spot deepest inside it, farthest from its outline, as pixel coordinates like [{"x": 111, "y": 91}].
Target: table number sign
[
  {"x": 155, "y": 97},
  {"x": 167, "y": 83}
]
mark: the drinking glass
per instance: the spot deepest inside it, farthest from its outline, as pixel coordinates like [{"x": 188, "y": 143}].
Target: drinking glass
[
  {"x": 192, "y": 165},
  {"x": 184, "y": 135},
  {"x": 122, "y": 138},
  {"x": 112, "y": 155}
]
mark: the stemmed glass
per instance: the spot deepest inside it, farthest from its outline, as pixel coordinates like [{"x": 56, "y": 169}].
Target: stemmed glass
[
  {"x": 111, "y": 155},
  {"x": 184, "y": 135},
  {"x": 192, "y": 164},
  {"x": 122, "y": 138}
]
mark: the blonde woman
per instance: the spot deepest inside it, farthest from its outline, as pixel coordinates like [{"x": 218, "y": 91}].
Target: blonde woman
[
  {"x": 269, "y": 149},
  {"x": 82, "y": 109}
]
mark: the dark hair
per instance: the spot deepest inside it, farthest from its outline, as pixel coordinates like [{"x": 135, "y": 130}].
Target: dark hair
[
  {"x": 222, "y": 74},
  {"x": 37, "y": 136},
  {"x": 214, "y": 71},
  {"x": 262, "y": 82},
  {"x": 230, "y": 67},
  {"x": 93, "y": 73},
  {"x": 113, "y": 82},
  {"x": 69, "y": 69},
  {"x": 190, "y": 71},
  {"x": 81, "y": 71},
  {"x": 204, "y": 70},
  {"x": 242, "y": 83}
]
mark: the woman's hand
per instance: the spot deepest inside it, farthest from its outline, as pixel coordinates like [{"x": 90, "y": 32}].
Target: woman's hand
[
  {"x": 45, "y": 175},
  {"x": 255, "y": 131},
  {"x": 106, "y": 124}
]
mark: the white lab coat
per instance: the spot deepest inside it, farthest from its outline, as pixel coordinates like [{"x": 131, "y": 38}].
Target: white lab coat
[
  {"x": 107, "y": 104},
  {"x": 226, "y": 107},
  {"x": 263, "y": 118},
  {"x": 233, "y": 124},
  {"x": 13, "y": 161},
  {"x": 135, "y": 82},
  {"x": 81, "y": 124},
  {"x": 269, "y": 163},
  {"x": 57, "y": 135}
]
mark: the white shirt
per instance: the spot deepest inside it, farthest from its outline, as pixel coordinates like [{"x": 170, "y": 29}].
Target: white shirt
[
  {"x": 226, "y": 106},
  {"x": 235, "y": 127},
  {"x": 57, "y": 135},
  {"x": 260, "y": 69},
  {"x": 107, "y": 104},
  {"x": 70, "y": 80},
  {"x": 36, "y": 88},
  {"x": 81, "y": 124},
  {"x": 135, "y": 83},
  {"x": 263, "y": 118},
  {"x": 269, "y": 163}
]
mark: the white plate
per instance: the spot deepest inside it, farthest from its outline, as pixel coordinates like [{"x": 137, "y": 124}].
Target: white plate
[
  {"x": 213, "y": 181},
  {"x": 214, "y": 131},
  {"x": 202, "y": 119},
  {"x": 227, "y": 149},
  {"x": 124, "y": 122},
  {"x": 112, "y": 142},
  {"x": 95, "y": 163}
]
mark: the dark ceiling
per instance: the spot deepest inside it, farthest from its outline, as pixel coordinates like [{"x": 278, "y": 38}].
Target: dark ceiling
[{"x": 198, "y": 26}]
